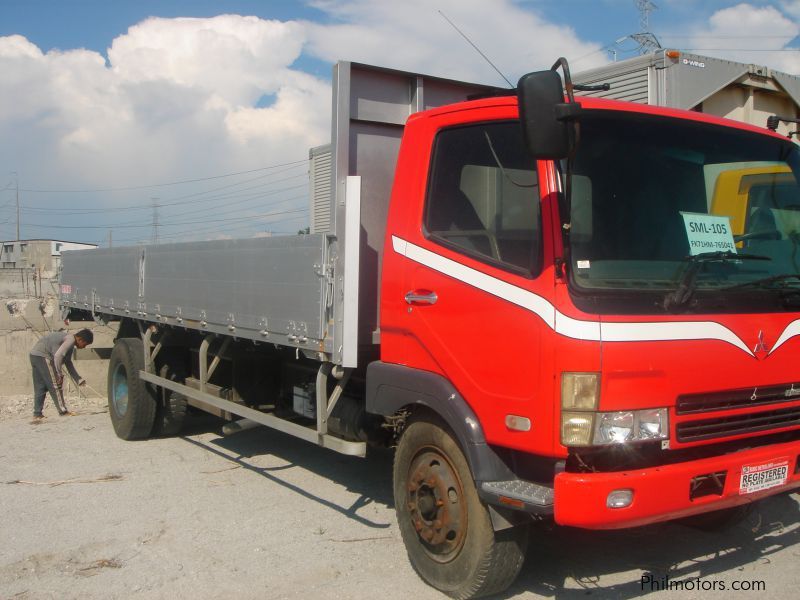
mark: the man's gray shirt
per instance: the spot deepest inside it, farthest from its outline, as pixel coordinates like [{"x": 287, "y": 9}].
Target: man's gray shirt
[{"x": 57, "y": 347}]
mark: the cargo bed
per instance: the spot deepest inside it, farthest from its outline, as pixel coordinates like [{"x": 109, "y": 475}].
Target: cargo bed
[{"x": 269, "y": 289}]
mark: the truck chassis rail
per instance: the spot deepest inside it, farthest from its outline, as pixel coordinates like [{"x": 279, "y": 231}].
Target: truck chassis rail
[{"x": 310, "y": 435}]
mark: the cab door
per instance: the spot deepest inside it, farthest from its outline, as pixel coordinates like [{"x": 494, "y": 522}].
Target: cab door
[{"x": 479, "y": 298}]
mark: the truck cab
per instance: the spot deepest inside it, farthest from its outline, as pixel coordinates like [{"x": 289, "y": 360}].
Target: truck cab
[{"x": 619, "y": 337}]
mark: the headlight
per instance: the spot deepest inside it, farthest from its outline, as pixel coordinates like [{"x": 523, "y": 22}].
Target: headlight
[
  {"x": 613, "y": 428},
  {"x": 653, "y": 424},
  {"x": 608, "y": 428},
  {"x": 631, "y": 426},
  {"x": 581, "y": 425}
]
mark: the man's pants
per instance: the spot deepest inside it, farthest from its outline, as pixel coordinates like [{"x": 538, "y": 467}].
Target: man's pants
[{"x": 44, "y": 380}]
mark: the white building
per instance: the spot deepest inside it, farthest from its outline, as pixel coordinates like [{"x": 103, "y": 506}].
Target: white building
[{"x": 40, "y": 256}]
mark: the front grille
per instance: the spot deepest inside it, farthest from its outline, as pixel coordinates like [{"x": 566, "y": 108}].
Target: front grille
[
  {"x": 707, "y": 429},
  {"x": 731, "y": 399}
]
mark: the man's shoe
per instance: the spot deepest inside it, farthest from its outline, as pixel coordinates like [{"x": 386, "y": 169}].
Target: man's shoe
[
  {"x": 67, "y": 413},
  {"x": 37, "y": 419}
]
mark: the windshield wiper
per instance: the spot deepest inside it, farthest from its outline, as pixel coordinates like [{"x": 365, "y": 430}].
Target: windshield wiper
[
  {"x": 680, "y": 296},
  {"x": 767, "y": 283}
]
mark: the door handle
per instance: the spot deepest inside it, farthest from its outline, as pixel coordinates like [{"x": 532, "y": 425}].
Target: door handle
[{"x": 421, "y": 297}]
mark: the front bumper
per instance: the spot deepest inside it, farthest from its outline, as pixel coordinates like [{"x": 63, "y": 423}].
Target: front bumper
[{"x": 664, "y": 493}]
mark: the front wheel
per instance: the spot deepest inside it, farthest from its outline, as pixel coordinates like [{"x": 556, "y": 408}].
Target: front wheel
[{"x": 445, "y": 527}]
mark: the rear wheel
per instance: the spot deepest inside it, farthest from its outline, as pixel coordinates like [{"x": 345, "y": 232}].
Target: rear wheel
[
  {"x": 445, "y": 527},
  {"x": 171, "y": 406},
  {"x": 131, "y": 402}
]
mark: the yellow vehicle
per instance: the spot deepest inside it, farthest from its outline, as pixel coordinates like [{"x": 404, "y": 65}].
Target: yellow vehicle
[{"x": 762, "y": 202}]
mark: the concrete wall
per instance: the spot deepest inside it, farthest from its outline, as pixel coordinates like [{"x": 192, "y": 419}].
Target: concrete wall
[
  {"x": 750, "y": 105},
  {"x": 21, "y": 283},
  {"x": 21, "y": 324}
]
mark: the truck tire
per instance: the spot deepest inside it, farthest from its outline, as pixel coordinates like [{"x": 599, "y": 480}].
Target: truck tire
[
  {"x": 445, "y": 527},
  {"x": 171, "y": 407},
  {"x": 131, "y": 402}
]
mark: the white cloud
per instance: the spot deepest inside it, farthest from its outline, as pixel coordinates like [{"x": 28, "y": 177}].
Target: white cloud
[
  {"x": 189, "y": 98},
  {"x": 295, "y": 114},
  {"x": 412, "y": 35},
  {"x": 177, "y": 99},
  {"x": 15, "y": 46},
  {"x": 760, "y": 34},
  {"x": 792, "y": 7},
  {"x": 238, "y": 58}
]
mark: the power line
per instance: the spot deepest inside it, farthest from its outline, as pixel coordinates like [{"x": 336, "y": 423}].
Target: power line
[
  {"x": 107, "y": 226},
  {"x": 156, "y": 185},
  {"x": 207, "y": 230},
  {"x": 252, "y": 197},
  {"x": 176, "y": 199}
]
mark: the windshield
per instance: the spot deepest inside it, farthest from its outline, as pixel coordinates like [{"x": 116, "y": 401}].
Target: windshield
[{"x": 652, "y": 197}]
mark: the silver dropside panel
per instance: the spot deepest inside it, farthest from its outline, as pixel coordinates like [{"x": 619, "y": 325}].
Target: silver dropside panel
[{"x": 268, "y": 289}]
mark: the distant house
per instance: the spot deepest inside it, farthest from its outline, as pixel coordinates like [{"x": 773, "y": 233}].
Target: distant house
[{"x": 41, "y": 256}]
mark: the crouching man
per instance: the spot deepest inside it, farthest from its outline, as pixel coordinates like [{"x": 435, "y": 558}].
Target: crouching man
[{"x": 50, "y": 354}]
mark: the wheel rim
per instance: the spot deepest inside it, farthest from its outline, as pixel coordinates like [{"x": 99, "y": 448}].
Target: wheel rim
[
  {"x": 119, "y": 390},
  {"x": 436, "y": 504}
]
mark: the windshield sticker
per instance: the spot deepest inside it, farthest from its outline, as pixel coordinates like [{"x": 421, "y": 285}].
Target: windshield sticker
[
  {"x": 708, "y": 233},
  {"x": 584, "y": 264}
]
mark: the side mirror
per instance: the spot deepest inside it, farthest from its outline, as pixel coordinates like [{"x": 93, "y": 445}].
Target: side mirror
[{"x": 547, "y": 121}]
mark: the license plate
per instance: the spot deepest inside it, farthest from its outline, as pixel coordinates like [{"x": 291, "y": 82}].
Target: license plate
[{"x": 756, "y": 478}]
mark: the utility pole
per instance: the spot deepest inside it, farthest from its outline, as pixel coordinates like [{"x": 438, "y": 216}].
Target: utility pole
[
  {"x": 647, "y": 40},
  {"x": 645, "y": 7},
  {"x": 154, "y": 238},
  {"x": 16, "y": 183}
]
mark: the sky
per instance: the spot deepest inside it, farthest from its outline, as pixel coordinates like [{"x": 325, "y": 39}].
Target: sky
[{"x": 197, "y": 115}]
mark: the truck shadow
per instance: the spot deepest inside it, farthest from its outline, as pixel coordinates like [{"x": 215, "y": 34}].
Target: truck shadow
[
  {"x": 563, "y": 562},
  {"x": 567, "y": 563},
  {"x": 370, "y": 478}
]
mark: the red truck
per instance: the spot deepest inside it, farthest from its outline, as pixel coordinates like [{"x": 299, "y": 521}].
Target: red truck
[{"x": 526, "y": 293}]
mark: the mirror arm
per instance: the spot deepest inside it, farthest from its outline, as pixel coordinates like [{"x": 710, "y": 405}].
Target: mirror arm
[
  {"x": 564, "y": 65},
  {"x": 568, "y": 111}
]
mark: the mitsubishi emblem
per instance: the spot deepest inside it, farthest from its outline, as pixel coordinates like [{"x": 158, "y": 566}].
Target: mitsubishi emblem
[{"x": 760, "y": 346}]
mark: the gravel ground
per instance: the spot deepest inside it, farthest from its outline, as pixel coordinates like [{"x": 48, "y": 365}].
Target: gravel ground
[
  {"x": 22, "y": 404},
  {"x": 262, "y": 515}
]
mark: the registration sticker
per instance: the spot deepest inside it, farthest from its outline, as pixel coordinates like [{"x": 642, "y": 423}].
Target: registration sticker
[{"x": 756, "y": 478}]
